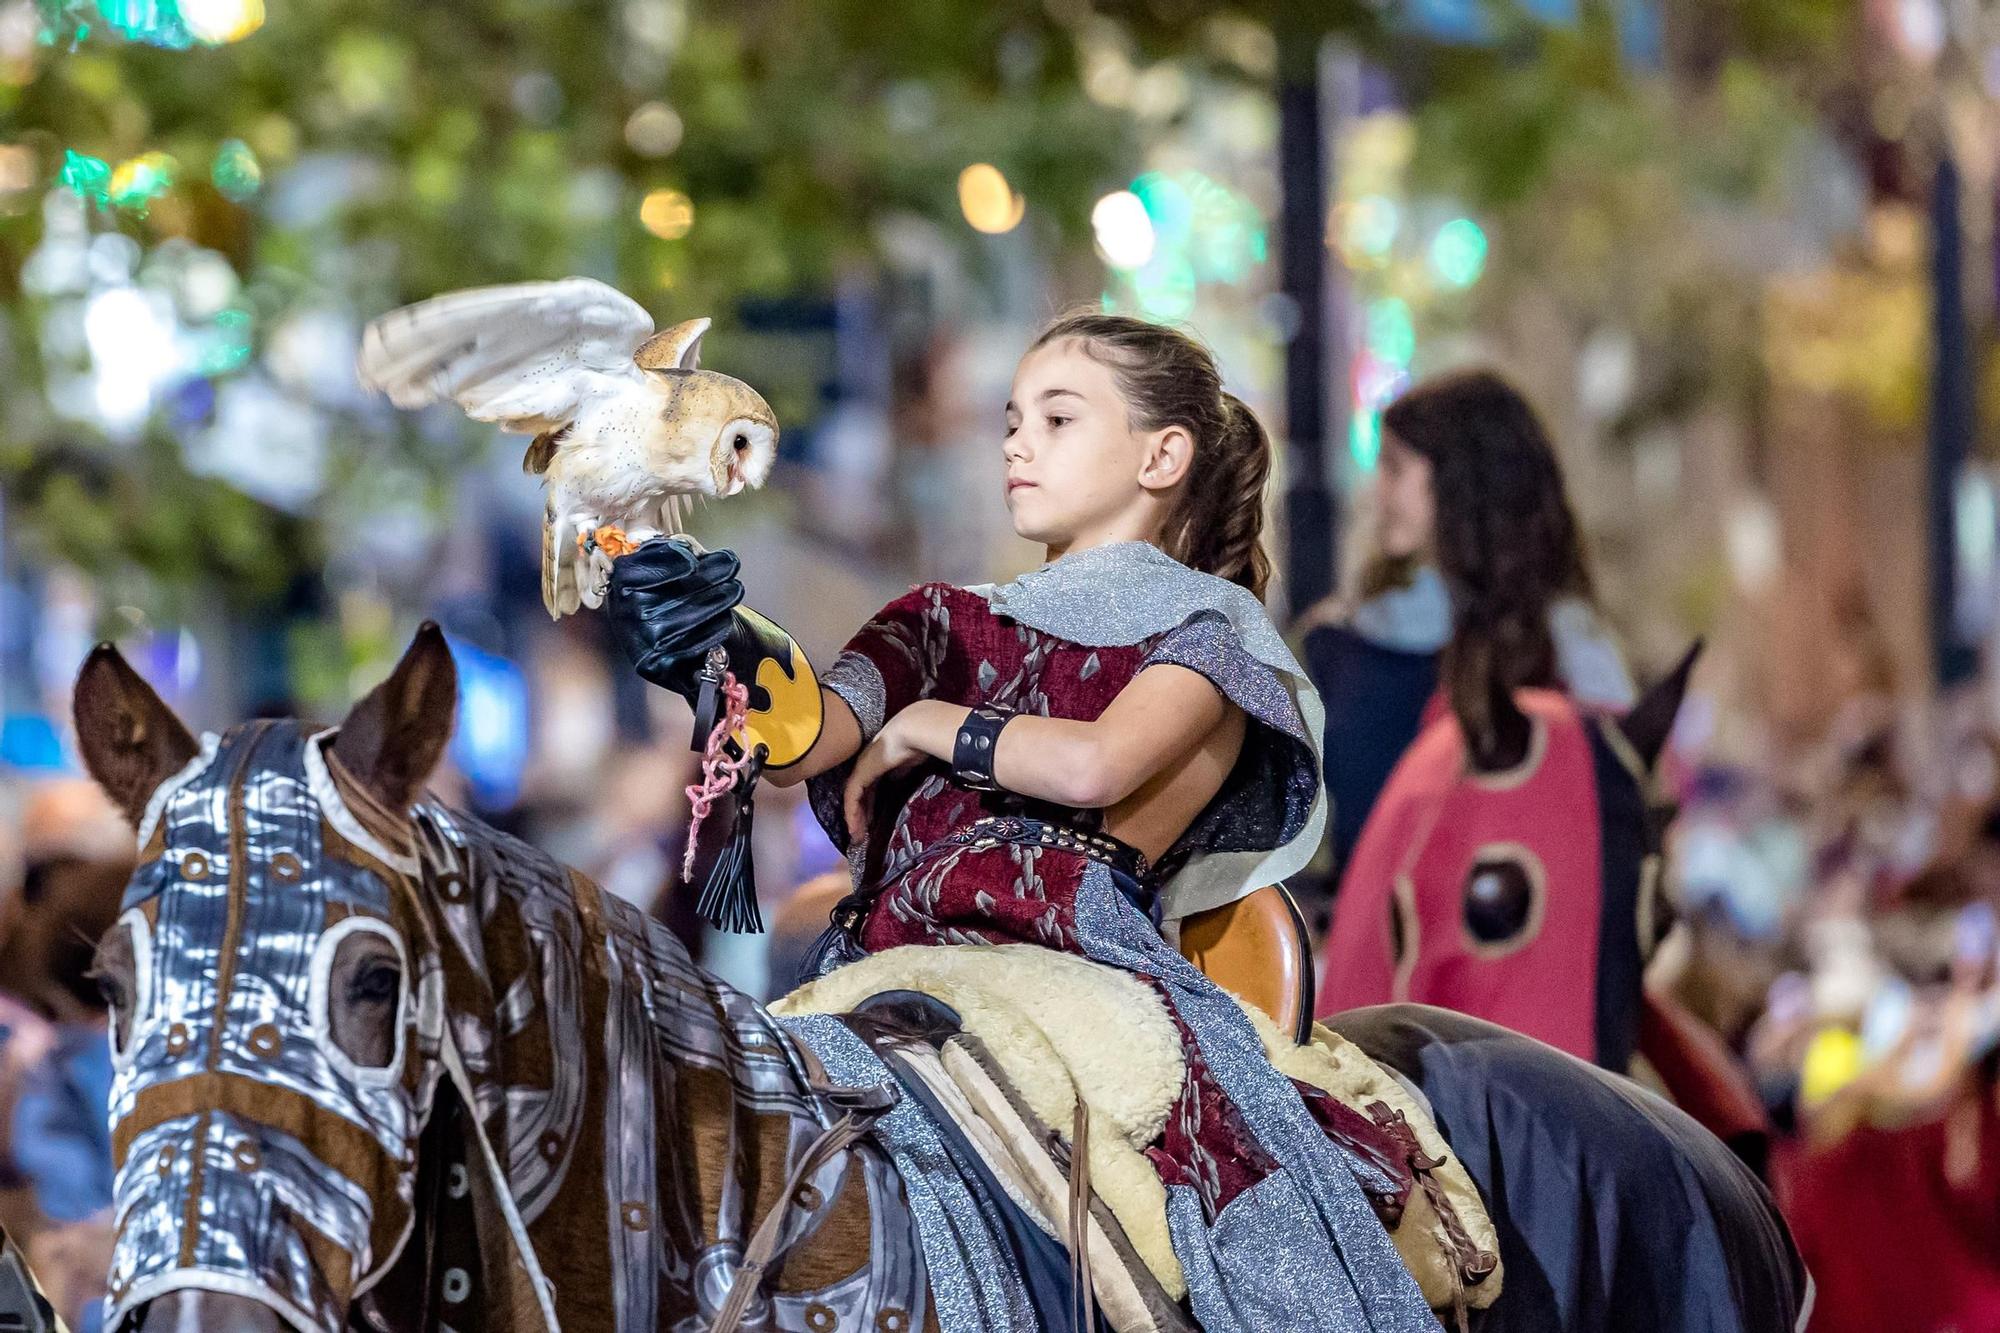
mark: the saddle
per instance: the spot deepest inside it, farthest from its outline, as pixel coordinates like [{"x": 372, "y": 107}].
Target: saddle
[
  {"x": 1256, "y": 948},
  {"x": 1056, "y": 1056}
]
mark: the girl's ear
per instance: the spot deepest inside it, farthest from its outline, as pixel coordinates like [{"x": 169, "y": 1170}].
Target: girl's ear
[{"x": 1169, "y": 452}]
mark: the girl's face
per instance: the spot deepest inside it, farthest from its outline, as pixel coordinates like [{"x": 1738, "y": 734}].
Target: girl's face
[
  {"x": 1405, "y": 507},
  {"x": 1078, "y": 474}
]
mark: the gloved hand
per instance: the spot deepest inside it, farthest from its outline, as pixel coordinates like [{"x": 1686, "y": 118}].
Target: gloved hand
[{"x": 668, "y": 606}]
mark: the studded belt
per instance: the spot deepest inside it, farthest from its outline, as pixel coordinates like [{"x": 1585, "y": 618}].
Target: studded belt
[{"x": 993, "y": 830}]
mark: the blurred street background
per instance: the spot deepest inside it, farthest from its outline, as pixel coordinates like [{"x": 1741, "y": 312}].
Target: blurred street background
[{"x": 1741, "y": 254}]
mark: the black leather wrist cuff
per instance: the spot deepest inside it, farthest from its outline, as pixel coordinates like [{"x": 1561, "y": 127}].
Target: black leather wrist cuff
[{"x": 978, "y": 739}]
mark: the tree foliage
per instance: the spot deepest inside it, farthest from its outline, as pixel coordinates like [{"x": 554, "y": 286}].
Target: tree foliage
[{"x": 407, "y": 149}]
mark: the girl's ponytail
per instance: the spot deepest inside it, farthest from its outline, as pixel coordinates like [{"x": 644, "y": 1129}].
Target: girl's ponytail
[{"x": 1219, "y": 524}]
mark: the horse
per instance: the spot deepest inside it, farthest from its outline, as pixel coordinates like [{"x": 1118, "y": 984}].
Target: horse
[{"x": 382, "y": 1067}]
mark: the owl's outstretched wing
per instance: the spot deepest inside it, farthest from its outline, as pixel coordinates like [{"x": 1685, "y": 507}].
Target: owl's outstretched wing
[{"x": 526, "y": 356}]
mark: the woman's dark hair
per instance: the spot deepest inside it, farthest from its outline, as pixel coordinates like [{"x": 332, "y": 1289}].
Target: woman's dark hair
[
  {"x": 1506, "y": 545},
  {"x": 1216, "y": 524}
]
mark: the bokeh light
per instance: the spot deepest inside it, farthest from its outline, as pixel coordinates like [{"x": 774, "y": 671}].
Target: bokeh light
[
  {"x": 1124, "y": 231},
  {"x": 654, "y": 130},
  {"x": 138, "y": 181},
  {"x": 20, "y": 37},
  {"x": 153, "y": 22},
  {"x": 1167, "y": 204},
  {"x": 219, "y": 21},
  {"x": 1166, "y": 287},
  {"x": 89, "y": 178},
  {"x": 668, "y": 214},
  {"x": 134, "y": 349},
  {"x": 236, "y": 172},
  {"x": 1458, "y": 253},
  {"x": 1172, "y": 236},
  {"x": 1376, "y": 384},
  {"x": 1364, "y": 438},
  {"x": 1392, "y": 334},
  {"x": 989, "y": 203},
  {"x": 17, "y": 168},
  {"x": 1364, "y": 231},
  {"x": 227, "y": 344}
]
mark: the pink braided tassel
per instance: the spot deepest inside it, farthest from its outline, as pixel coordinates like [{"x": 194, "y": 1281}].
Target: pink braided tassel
[{"x": 718, "y": 770}]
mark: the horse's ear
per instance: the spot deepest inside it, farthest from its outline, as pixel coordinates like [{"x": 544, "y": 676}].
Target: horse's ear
[
  {"x": 130, "y": 740},
  {"x": 1651, "y": 720},
  {"x": 393, "y": 739}
]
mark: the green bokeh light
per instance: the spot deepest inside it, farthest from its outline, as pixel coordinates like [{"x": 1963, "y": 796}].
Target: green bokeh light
[
  {"x": 1364, "y": 438},
  {"x": 141, "y": 180},
  {"x": 227, "y": 345},
  {"x": 236, "y": 172},
  {"x": 1166, "y": 288},
  {"x": 154, "y": 22},
  {"x": 1392, "y": 335},
  {"x": 1458, "y": 253},
  {"x": 89, "y": 178}
]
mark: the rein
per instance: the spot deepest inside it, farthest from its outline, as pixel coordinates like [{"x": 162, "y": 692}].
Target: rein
[{"x": 837, "y": 1138}]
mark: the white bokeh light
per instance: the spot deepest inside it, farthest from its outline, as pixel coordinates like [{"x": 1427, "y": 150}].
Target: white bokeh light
[
  {"x": 1124, "y": 230},
  {"x": 135, "y": 347}
]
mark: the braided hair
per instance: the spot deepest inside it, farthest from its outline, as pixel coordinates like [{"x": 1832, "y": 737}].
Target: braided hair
[
  {"x": 1507, "y": 545},
  {"x": 1216, "y": 521}
]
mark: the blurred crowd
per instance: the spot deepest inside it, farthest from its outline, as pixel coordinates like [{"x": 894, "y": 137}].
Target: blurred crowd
[
  {"x": 1838, "y": 929},
  {"x": 67, "y": 854}
]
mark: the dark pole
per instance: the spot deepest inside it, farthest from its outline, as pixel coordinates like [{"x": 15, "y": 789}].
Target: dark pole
[
  {"x": 1310, "y": 513},
  {"x": 1951, "y": 425}
]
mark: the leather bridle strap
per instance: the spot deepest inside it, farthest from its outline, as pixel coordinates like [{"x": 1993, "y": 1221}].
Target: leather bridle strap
[{"x": 757, "y": 1256}]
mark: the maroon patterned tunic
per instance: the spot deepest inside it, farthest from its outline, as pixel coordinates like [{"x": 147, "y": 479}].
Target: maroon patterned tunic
[{"x": 943, "y": 642}]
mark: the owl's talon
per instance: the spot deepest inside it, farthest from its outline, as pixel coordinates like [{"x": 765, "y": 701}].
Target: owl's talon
[{"x": 595, "y": 582}]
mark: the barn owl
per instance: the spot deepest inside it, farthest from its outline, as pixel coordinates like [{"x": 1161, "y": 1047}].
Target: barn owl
[{"x": 627, "y": 428}]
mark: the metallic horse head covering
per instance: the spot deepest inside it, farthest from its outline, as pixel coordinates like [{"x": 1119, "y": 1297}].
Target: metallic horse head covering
[{"x": 254, "y": 1157}]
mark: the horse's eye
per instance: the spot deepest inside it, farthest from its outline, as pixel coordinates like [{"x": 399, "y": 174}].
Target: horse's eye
[
  {"x": 358, "y": 993},
  {"x": 376, "y": 983},
  {"x": 120, "y": 973},
  {"x": 112, "y": 991},
  {"x": 1503, "y": 899}
]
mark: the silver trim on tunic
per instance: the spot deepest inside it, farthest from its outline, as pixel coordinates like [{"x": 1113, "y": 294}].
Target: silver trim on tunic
[{"x": 859, "y": 684}]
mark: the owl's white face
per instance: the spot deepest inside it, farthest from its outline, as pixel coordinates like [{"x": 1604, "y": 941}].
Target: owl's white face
[
  {"x": 1078, "y": 474},
  {"x": 744, "y": 452}
]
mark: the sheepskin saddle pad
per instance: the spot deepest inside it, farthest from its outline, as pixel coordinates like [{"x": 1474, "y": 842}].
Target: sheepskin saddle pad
[{"x": 1050, "y": 1029}]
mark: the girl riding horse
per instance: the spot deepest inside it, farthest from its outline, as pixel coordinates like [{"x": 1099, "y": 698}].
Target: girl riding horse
[{"x": 381, "y": 1066}]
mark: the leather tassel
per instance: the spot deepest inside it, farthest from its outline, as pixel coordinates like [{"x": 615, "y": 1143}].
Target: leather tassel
[{"x": 728, "y": 898}]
